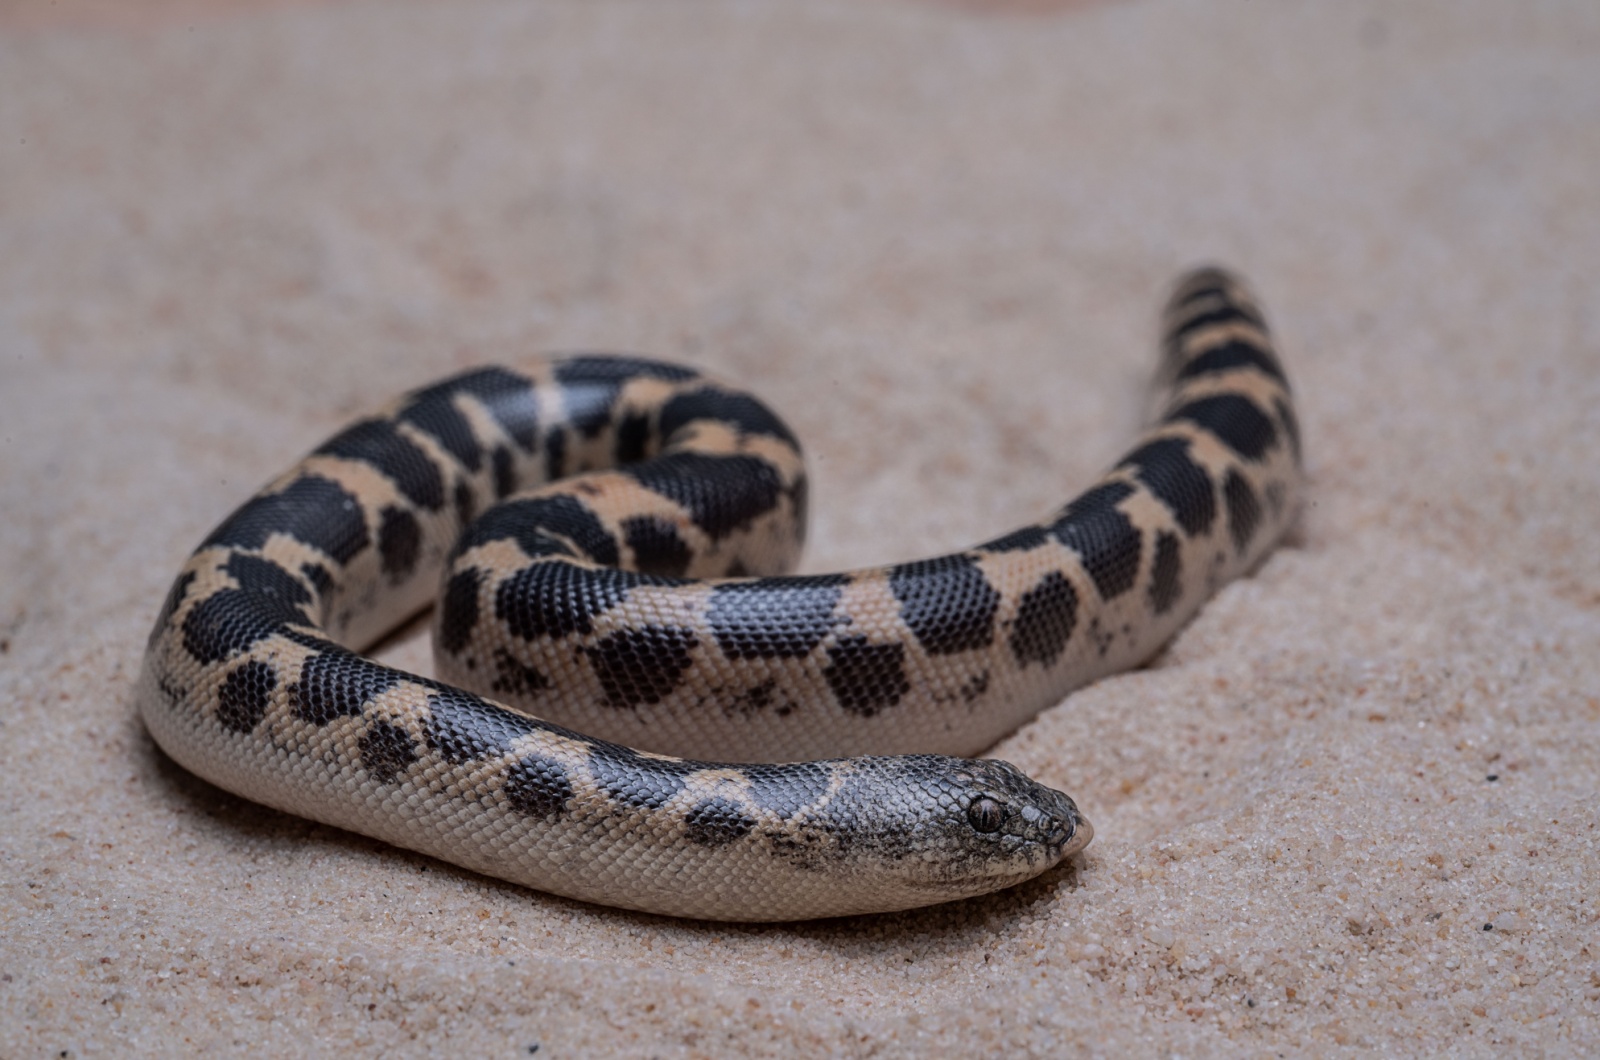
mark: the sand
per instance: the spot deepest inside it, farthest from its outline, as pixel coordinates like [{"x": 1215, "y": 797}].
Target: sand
[{"x": 1352, "y": 808}]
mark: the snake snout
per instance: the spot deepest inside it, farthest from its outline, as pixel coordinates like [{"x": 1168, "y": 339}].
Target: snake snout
[
  {"x": 1074, "y": 832},
  {"x": 1060, "y": 827}
]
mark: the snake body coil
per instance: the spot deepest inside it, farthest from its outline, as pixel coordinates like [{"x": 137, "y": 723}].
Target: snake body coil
[{"x": 637, "y": 593}]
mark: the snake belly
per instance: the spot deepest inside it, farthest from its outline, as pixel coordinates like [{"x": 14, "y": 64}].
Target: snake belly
[{"x": 617, "y": 630}]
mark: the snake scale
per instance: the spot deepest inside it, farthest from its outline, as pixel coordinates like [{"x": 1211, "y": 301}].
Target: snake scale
[{"x": 613, "y": 536}]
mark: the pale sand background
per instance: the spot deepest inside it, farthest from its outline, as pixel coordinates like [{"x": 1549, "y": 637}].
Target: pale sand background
[{"x": 936, "y": 238}]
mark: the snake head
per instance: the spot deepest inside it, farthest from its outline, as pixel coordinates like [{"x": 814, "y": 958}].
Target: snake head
[
  {"x": 1017, "y": 813},
  {"x": 931, "y": 828}
]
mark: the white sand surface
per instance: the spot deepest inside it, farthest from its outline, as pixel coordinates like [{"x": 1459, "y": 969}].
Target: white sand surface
[{"x": 1353, "y": 807}]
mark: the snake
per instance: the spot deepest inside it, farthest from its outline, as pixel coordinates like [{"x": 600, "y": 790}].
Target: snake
[{"x": 636, "y": 703}]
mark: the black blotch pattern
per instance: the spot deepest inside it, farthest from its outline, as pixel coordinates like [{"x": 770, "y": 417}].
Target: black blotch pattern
[
  {"x": 174, "y": 600},
  {"x": 516, "y": 677},
  {"x": 759, "y": 696},
  {"x": 386, "y": 751},
  {"x": 634, "y": 780},
  {"x": 617, "y": 368},
  {"x": 466, "y": 504},
  {"x": 1244, "y": 510},
  {"x": 1101, "y": 636},
  {"x": 774, "y": 618},
  {"x": 245, "y": 695},
  {"x": 973, "y": 688},
  {"x": 231, "y": 620},
  {"x": 947, "y": 602},
  {"x": 1165, "y": 587},
  {"x": 566, "y": 516},
  {"x": 399, "y": 542},
  {"x": 642, "y": 665},
  {"x": 555, "y": 454},
  {"x": 656, "y": 546},
  {"x": 591, "y": 385},
  {"x": 1046, "y": 616},
  {"x": 716, "y": 822},
  {"x": 541, "y": 525},
  {"x": 376, "y": 442},
  {"x": 259, "y": 576},
  {"x": 1236, "y": 420},
  {"x": 1230, "y": 313},
  {"x": 633, "y": 438},
  {"x": 319, "y": 577},
  {"x": 436, "y": 416},
  {"x": 315, "y": 641},
  {"x": 555, "y": 598},
  {"x": 173, "y": 693},
  {"x": 741, "y": 411},
  {"x": 458, "y": 609},
  {"x": 337, "y": 684},
  {"x": 1028, "y": 537},
  {"x": 311, "y": 509},
  {"x": 462, "y": 727},
  {"x": 538, "y": 787},
  {"x": 508, "y": 397},
  {"x": 1180, "y": 483},
  {"x": 720, "y": 493},
  {"x": 788, "y": 790},
  {"x": 505, "y": 472},
  {"x": 866, "y": 677},
  {"x": 1104, "y": 537},
  {"x": 1230, "y": 355}
]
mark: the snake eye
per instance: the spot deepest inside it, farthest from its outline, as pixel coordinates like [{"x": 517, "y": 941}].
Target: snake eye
[{"x": 985, "y": 815}]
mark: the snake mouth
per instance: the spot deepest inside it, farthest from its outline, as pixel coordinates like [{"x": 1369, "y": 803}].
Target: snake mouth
[
  {"x": 1069, "y": 830},
  {"x": 1075, "y": 834},
  {"x": 1051, "y": 835}
]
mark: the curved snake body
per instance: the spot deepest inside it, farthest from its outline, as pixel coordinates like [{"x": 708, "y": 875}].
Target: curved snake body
[{"x": 636, "y": 592}]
